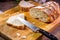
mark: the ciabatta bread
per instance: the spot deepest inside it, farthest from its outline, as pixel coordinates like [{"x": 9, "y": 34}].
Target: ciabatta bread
[
  {"x": 14, "y": 21},
  {"x": 54, "y": 7},
  {"x": 46, "y": 12},
  {"x": 25, "y": 6}
]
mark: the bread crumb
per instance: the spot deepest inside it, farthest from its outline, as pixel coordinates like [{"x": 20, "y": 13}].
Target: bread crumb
[
  {"x": 23, "y": 37},
  {"x": 18, "y": 34}
]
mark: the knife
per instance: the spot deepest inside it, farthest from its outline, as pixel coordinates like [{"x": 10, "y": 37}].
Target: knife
[{"x": 36, "y": 29}]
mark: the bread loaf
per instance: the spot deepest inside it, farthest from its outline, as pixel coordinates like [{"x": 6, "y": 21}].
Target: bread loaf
[
  {"x": 14, "y": 21},
  {"x": 54, "y": 7},
  {"x": 25, "y": 6},
  {"x": 46, "y": 12}
]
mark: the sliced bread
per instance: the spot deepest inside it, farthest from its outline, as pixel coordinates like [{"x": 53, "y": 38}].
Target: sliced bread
[
  {"x": 25, "y": 6},
  {"x": 46, "y": 12},
  {"x": 14, "y": 21}
]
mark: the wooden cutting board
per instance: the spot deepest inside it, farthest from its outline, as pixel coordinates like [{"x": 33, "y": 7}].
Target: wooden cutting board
[{"x": 11, "y": 32}]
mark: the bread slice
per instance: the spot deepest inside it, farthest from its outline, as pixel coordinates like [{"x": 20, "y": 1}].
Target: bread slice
[
  {"x": 46, "y": 12},
  {"x": 37, "y": 12},
  {"x": 25, "y": 6},
  {"x": 14, "y": 21}
]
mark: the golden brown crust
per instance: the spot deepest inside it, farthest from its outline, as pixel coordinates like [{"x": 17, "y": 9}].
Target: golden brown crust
[
  {"x": 25, "y": 6},
  {"x": 53, "y": 7},
  {"x": 35, "y": 3},
  {"x": 19, "y": 27},
  {"x": 23, "y": 9},
  {"x": 50, "y": 9}
]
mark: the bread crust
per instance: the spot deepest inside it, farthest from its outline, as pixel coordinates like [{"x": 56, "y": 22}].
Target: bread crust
[
  {"x": 15, "y": 22},
  {"x": 25, "y": 6},
  {"x": 50, "y": 9},
  {"x": 21, "y": 27}
]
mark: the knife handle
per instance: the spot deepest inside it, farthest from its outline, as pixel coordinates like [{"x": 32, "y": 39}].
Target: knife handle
[{"x": 47, "y": 34}]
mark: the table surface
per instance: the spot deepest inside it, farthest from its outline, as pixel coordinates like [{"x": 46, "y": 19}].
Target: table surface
[{"x": 7, "y": 5}]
